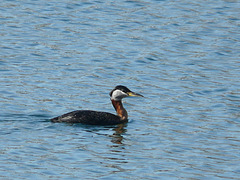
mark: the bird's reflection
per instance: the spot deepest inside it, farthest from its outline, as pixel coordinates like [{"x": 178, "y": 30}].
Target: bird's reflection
[{"x": 117, "y": 136}]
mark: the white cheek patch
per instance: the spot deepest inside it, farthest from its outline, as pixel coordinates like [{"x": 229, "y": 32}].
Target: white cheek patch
[{"x": 118, "y": 95}]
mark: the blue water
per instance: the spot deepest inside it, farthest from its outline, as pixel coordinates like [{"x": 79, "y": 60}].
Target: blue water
[{"x": 59, "y": 56}]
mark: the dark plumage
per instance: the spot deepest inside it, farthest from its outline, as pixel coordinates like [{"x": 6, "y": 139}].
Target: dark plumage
[
  {"x": 89, "y": 117},
  {"x": 101, "y": 118}
]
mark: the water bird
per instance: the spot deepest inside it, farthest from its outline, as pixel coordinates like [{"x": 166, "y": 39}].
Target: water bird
[{"x": 101, "y": 118}]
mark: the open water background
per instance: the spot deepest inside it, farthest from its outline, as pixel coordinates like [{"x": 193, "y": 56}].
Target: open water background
[{"x": 59, "y": 56}]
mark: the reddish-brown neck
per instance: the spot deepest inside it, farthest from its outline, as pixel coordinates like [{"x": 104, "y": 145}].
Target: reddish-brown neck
[{"x": 120, "y": 109}]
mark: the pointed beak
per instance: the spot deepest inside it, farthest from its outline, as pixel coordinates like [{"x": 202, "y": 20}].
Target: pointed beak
[{"x": 134, "y": 94}]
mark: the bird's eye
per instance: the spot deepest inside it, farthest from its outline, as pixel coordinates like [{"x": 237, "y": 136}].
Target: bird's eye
[{"x": 124, "y": 90}]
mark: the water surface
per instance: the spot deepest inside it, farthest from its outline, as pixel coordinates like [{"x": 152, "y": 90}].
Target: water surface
[{"x": 183, "y": 56}]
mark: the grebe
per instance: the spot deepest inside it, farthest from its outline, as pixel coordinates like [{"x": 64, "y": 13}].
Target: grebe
[{"x": 101, "y": 118}]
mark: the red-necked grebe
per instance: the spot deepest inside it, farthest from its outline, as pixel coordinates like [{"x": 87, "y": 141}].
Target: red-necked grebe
[{"x": 101, "y": 118}]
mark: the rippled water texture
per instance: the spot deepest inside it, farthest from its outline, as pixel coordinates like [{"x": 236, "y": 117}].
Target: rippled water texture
[{"x": 59, "y": 56}]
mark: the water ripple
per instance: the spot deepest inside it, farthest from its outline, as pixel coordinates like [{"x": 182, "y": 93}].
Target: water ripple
[{"x": 183, "y": 57}]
